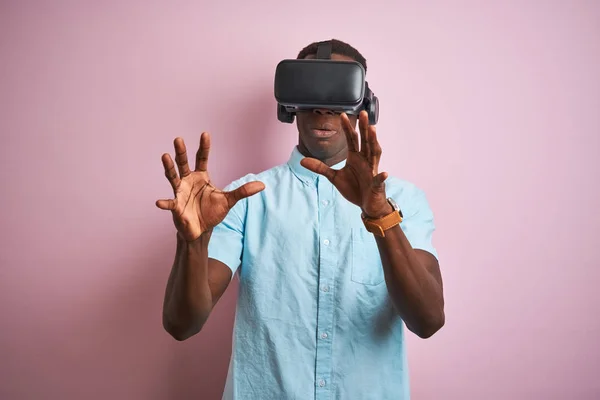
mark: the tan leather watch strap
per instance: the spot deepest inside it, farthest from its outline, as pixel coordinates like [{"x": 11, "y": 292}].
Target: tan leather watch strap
[{"x": 379, "y": 226}]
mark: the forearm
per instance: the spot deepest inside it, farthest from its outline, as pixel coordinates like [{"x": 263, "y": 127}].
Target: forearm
[
  {"x": 415, "y": 292},
  {"x": 188, "y": 300}
]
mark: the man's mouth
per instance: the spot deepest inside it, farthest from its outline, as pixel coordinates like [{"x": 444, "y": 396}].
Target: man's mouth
[{"x": 323, "y": 131}]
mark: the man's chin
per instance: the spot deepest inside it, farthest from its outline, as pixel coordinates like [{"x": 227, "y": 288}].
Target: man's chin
[{"x": 323, "y": 148}]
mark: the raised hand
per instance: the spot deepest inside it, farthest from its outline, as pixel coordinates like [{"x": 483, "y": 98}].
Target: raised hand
[
  {"x": 198, "y": 206},
  {"x": 359, "y": 181}
]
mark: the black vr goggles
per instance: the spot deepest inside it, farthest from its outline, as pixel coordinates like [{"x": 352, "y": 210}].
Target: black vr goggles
[{"x": 339, "y": 86}]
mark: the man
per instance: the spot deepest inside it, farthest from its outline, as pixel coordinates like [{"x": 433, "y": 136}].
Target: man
[{"x": 322, "y": 300}]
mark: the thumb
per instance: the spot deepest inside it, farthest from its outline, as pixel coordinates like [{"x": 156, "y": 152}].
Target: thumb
[
  {"x": 246, "y": 190},
  {"x": 318, "y": 167},
  {"x": 165, "y": 204},
  {"x": 378, "y": 181}
]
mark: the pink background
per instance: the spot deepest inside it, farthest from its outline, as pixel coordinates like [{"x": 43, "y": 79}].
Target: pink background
[{"x": 493, "y": 109}]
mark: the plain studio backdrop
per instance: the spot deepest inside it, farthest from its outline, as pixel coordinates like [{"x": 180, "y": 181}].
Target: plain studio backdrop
[{"x": 492, "y": 108}]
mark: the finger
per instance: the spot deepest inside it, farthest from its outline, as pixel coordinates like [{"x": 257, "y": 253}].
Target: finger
[
  {"x": 246, "y": 190},
  {"x": 181, "y": 157},
  {"x": 363, "y": 125},
  {"x": 351, "y": 135},
  {"x": 378, "y": 181},
  {"x": 166, "y": 204},
  {"x": 202, "y": 153},
  {"x": 318, "y": 167},
  {"x": 170, "y": 171},
  {"x": 375, "y": 148}
]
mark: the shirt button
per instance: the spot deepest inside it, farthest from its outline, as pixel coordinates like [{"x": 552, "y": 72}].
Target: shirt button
[
  {"x": 321, "y": 383},
  {"x": 324, "y": 335},
  {"x": 325, "y": 288},
  {"x": 325, "y": 202},
  {"x": 326, "y": 242}
]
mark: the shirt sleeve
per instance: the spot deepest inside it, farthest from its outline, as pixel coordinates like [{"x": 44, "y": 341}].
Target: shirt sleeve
[
  {"x": 227, "y": 239},
  {"x": 419, "y": 225}
]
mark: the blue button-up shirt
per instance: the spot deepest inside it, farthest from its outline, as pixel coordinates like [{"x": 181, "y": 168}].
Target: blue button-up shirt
[{"x": 313, "y": 319}]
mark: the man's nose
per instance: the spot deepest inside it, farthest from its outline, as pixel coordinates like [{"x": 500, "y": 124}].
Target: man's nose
[{"x": 323, "y": 111}]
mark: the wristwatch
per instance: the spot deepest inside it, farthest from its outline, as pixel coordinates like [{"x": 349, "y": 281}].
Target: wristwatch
[{"x": 380, "y": 225}]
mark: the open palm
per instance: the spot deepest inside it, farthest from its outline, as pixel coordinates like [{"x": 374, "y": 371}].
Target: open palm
[{"x": 198, "y": 206}]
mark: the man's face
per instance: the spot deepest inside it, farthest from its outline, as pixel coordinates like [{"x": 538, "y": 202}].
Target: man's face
[{"x": 320, "y": 130}]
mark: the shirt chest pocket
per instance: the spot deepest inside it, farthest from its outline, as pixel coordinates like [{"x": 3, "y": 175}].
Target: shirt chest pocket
[{"x": 366, "y": 261}]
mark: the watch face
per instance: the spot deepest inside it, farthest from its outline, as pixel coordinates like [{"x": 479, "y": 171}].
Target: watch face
[{"x": 395, "y": 206}]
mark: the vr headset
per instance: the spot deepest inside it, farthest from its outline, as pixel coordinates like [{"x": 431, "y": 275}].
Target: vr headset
[{"x": 339, "y": 86}]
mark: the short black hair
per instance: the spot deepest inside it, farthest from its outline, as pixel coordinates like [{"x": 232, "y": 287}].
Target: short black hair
[{"x": 338, "y": 47}]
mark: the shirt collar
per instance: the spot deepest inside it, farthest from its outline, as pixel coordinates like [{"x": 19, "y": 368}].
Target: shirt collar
[{"x": 302, "y": 173}]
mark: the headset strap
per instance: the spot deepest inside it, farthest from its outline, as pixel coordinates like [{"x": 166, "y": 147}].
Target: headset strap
[{"x": 324, "y": 50}]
